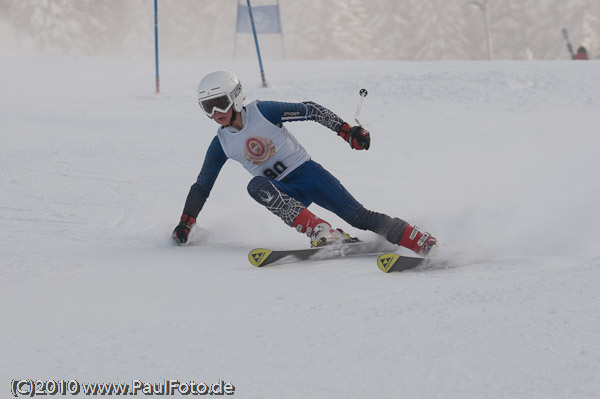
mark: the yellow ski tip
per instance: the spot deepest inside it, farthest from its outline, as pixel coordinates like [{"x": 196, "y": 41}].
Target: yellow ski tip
[
  {"x": 386, "y": 261},
  {"x": 258, "y": 256}
]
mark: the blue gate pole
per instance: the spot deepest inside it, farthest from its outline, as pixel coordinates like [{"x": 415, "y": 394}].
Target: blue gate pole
[
  {"x": 262, "y": 71},
  {"x": 156, "y": 44}
]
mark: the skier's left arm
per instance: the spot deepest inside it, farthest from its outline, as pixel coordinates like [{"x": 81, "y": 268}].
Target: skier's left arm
[{"x": 279, "y": 112}]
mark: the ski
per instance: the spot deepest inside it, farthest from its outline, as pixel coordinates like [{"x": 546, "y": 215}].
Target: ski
[
  {"x": 262, "y": 256},
  {"x": 569, "y": 46},
  {"x": 392, "y": 262}
]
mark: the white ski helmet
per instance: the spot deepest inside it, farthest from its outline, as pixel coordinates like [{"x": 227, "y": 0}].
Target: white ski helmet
[{"x": 218, "y": 91}]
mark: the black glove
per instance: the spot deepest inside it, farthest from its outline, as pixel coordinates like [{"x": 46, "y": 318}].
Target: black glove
[
  {"x": 358, "y": 137},
  {"x": 182, "y": 231}
]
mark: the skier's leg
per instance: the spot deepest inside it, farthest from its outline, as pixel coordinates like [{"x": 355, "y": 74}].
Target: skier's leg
[
  {"x": 291, "y": 211},
  {"x": 395, "y": 230},
  {"x": 279, "y": 203},
  {"x": 333, "y": 196}
]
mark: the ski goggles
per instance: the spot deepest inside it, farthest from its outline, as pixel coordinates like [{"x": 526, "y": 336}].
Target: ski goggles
[{"x": 221, "y": 103}]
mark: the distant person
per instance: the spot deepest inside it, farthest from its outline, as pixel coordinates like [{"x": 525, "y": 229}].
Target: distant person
[
  {"x": 582, "y": 54},
  {"x": 286, "y": 180}
]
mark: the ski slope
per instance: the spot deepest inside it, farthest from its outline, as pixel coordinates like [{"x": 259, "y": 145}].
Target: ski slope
[{"x": 498, "y": 160}]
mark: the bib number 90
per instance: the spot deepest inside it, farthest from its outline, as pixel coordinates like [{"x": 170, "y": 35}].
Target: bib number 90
[{"x": 277, "y": 169}]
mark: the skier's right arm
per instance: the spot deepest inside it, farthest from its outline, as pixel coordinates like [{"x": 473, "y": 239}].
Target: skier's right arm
[{"x": 200, "y": 190}]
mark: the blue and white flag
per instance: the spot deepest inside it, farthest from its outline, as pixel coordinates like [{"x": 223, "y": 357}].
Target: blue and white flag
[{"x": 266, "y": 19}]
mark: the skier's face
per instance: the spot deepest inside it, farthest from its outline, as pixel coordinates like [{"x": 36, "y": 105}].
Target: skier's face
[{"x": 223, "y": 118}]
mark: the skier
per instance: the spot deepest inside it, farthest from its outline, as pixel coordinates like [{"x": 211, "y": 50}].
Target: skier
[
  {"x": 286, "y": 181},
  {"x": 582, "y": 54}
]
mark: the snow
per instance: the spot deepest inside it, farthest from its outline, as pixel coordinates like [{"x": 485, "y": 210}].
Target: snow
[{"x": 498, "y": 160}]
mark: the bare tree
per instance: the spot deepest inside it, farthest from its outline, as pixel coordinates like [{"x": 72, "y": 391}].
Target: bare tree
[{"x": 483, "y": 6}]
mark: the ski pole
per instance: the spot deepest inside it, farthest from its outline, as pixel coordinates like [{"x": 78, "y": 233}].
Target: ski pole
[{"x": 363, "y": 93}]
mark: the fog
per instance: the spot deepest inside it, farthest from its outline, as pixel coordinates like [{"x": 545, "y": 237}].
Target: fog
[{"x": 312, "y": 29}]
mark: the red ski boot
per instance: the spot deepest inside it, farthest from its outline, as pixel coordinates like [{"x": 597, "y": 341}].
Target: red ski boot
[
  {"x": 320, "y": 232},
  {"x": 420, "y": 242}
]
